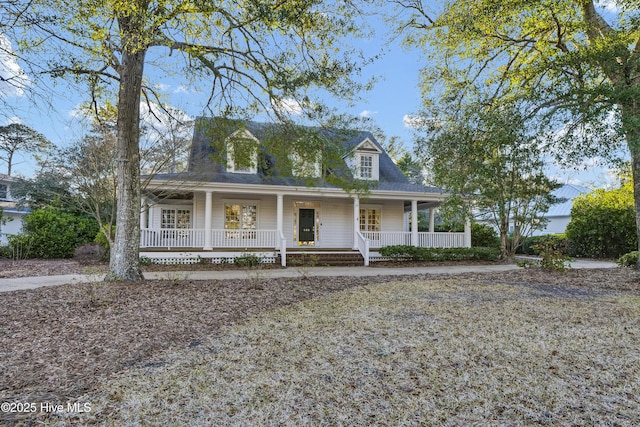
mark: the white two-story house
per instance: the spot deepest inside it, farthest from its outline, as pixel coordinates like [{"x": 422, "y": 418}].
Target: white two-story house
[{"x": 250, "y": 187}]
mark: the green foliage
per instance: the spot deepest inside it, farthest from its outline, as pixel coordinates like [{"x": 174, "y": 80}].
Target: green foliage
[
  {"x": 414, "y": 253},
  {"x": 144, "y": 261},
  {"x": 247, "y": 260},
  {"x": 530, "y": 244},
  {"x": 603, "y": 223},
  {"x": 551, "y": 253},
  {"x": 49, "y": 233},
  {"x": 628, "y": 260},
  {"x": 16, "y": 137},
  {"x": 569, "y": 62},
  {"x": 483, "y": 235},
  {"x": 102, "y": 240},
  {"x": 488, "y": 158}
]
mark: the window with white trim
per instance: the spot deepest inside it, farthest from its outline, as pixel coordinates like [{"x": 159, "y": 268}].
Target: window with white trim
[
  {"x": 242, "y": 153},
  {"x": 370, "y": 220},
  {"x": 308, "y": 165},
  {"x": 4, "y": 192},
  {"x": 366, "y": 166},
  {"x": 240, "y": 220},
  {"x": 175, "y": 218}
]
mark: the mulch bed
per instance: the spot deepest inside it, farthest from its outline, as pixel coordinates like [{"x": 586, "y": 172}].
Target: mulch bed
[{"x": 56, "y": 341}]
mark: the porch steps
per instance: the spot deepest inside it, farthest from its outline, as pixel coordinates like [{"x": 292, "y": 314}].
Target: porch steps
[{"x": 323, "y": 258}]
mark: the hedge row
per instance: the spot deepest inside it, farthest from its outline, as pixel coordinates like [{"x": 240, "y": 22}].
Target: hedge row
[{"x": 414, "y": 253}]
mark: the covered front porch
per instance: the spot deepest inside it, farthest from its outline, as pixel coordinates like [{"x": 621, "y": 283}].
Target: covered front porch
[{"x": 223, "y": 223}]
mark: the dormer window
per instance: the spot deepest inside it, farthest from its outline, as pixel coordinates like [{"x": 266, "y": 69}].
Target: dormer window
[
  {"x": 366, "y": 161},
  {"x": 366, "y": 166},
  {"x": 242, "y": 152},
  {"x": 307, "y": 165}
]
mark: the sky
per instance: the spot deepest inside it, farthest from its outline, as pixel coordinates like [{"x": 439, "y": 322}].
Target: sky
[{"x": 393, "y": 101}]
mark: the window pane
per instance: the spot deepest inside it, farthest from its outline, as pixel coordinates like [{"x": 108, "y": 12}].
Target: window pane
[
  {"x": 3, "y": 191},
  {"x": 366, "y": 166},
  {"x": 168, "y": 218},
  {"x": 183, "y": 218},
  {"x": 231, "y": 217},
  {"x": 249, "y": 217}
]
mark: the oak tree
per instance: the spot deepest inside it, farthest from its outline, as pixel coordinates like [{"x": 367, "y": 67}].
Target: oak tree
[
  {"x": 252, "y": 54},
  {"x": 575, "y": 62}
]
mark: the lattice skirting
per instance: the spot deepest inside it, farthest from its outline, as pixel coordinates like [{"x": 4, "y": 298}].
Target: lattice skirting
[{"x": 186, "y": 258}]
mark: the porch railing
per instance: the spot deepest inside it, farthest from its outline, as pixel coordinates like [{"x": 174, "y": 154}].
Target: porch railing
[
  {"x": 362, "y": 244},
  {"x": 379, "y": 239},
  {"x": 195, "y": 238},
  {"x": 441, "y": 240},
  {"x": 171, "y": 238}
]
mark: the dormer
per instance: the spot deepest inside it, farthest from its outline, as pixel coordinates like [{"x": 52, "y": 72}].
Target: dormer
[
  {"x": 305, "y": 165},
  {"x": 242, "y": 152},
  {"x": 365, "y": 162}
]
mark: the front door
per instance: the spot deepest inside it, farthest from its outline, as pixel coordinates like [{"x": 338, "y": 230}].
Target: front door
[{"x": 306, "y": 226}]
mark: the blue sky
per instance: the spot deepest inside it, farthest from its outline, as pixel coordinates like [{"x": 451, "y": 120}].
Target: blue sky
[{"x": 395, "y": 97}]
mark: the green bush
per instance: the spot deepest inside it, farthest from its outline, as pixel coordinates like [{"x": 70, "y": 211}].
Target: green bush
[
  {"x": 102, "y": 240},
  {"x": 413, "y": 253},
  {"x": 48, "y": 233},
  {"x": 603, "y": 223},
  {"x": 247, "y": 260},
  {"x": 530, "y": 245},
  {"x": 628, "y": 260},
  {"x": 552, "y": 256},
  {"x": 483, "y": 235}
]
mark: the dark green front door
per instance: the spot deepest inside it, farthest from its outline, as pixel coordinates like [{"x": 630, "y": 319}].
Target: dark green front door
[{"x": 306, "y": 226}]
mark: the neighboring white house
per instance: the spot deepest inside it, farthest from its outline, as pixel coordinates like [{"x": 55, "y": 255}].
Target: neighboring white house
[
  {"x": 559, "y": 214},
  {"x": 226, "y": 205},
  {"x": 10, "y": 210}
]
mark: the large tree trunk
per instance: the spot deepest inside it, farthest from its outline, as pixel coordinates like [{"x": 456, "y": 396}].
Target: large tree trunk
[
  {"x": 635, "y": 161},
  {"x": 125, "y": 259},
  {"x": 630, "y": 120}
]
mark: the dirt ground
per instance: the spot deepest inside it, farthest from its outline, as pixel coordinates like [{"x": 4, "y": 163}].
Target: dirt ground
[{"x": 56, "y": 341}]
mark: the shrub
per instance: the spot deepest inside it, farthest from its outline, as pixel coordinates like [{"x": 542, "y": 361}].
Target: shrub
[
  {"x": 247, "y": 260},
  {"x": 531, "y": 245},
  {"x": 145, "y": 260},
  {"x": 413, "y": 253},
  {"x": 603, "y": 223},
  {"x": 49, "y": 233},
  {"x": 628, "y": 260},
  {"x": 551, "y": 253},
  {"x": 483, "y": 235},
  {"x": 102, "y": 240}
]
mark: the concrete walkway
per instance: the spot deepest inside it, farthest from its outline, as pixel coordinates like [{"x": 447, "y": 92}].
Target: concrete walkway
[{"x": 21, "y": 283}]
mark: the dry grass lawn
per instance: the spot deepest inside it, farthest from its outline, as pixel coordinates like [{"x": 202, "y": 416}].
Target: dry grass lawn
[{"x": 454, "y": 351}]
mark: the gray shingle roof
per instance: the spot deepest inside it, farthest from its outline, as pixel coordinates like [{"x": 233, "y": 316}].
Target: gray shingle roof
[{"x": 204, "y": 168}]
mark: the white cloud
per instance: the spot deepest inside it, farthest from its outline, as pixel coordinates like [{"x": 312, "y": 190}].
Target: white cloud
[
  {"x": 181, "y": 89},
  {"x": 608, "y": 5},
  {"x": 366, "y": 114},
  {"x": 288, "y": 105},
  {"x": 162, "y": 87},
  {"x": 161, "y": 120},
  {"x": 13, "y": 79},
  {"x": 417, "y": 122}
]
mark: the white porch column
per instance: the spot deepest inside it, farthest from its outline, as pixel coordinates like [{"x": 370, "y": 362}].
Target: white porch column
[
  {"x": 356, "y": 221},
  {"x": 208, "y": 207},
  {"x": 414, "y": 223},
  {"x": 143, "y": 213},
  {"x": 432, "y": 219},
  {"x": 280, "y": 213},
  {"x": 467, "y": 233}
]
